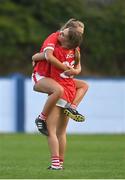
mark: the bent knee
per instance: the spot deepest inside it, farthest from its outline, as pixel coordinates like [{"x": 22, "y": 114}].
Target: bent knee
[
  {"x": 59, "y": 91},
  {"x": 85, "y": 86}
]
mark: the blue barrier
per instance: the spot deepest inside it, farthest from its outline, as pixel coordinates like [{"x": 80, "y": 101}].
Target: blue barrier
[{"x": 19, "y": 101}]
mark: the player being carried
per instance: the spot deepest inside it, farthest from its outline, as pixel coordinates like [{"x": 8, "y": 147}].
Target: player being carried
[{"x": 44, "y": 82}]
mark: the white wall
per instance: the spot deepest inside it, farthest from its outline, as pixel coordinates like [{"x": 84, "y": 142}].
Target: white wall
[
  {"x": 34, "y": 103},
  {"x": 7, "y": 105},
  {"x": 103, "y": 106}
]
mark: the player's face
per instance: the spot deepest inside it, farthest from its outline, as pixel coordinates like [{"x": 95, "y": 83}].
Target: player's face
[
  {"x": 80, "y": 29},
  {"x": 63, "y": 36}
]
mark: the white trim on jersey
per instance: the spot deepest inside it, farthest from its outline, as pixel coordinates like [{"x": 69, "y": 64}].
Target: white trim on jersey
[
  {"x": 44, "y": 50},
  {"x": 48, "y": 47},
  {"x": 36, "y": 77}
]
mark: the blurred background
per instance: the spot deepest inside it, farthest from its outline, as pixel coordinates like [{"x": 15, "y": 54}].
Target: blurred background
[{"x": 24, "y": 25}]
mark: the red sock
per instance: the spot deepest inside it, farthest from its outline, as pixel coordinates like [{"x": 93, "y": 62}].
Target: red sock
[
  {"x": 73, "y": 106},
  {"x": 61, "y": 162},
  {"x": 55, "y": 161},
  {"x": 42, "y": 116}
]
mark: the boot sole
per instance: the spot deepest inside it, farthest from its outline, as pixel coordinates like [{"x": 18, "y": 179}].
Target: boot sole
[{"x": 78, "y": 118}]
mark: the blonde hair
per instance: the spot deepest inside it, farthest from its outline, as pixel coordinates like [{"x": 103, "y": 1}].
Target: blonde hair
[{"x": 74, "y": 23}]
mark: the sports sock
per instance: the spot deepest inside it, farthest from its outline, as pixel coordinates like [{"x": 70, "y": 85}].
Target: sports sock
[
  {"x": 42, "y": 116},
  {"x": 73, "y": 106},
  {"x": 61, "y": 162},
  {"x": 55, "y": 162}
]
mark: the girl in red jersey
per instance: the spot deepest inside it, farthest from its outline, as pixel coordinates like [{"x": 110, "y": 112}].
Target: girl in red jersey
[
  {"x": 55, "y": 124},
  {"x": 57, "y": 140},
  {"x": 56, "y": 90},
  {"x": 65, "y": 53}
]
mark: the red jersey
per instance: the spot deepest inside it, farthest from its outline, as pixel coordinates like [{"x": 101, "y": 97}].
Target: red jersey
[
  {"x": 43, "y": 67},
  {"x": 65, "y": 56}
]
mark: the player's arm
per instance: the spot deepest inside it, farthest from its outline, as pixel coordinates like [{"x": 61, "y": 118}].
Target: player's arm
[
  {"x": 48, "y": 55},
  {"x": 54, "y": 61},
  {"x": 74, "y": 71},
  {"x": 77, "y": 68},
  {"x": 38, "y": 56}
]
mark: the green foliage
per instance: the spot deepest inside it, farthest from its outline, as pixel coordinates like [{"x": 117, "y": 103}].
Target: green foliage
[
  {"x": 20, "y": 33},
  {"x": 25, "y": 24},
  {"x": 105, "y": 41}
]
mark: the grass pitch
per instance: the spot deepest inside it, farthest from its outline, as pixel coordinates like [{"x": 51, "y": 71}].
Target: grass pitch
[{"x": 26, "y": 156}]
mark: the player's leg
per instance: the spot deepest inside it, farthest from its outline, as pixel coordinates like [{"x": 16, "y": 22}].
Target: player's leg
[
  {"x": 52, "y": 137},
  {"x": 55, "y": 91},
  {"x": 61, "y": 134},
  {"x": 81, "y": 89},
  {"x": 51, "y": 87}
]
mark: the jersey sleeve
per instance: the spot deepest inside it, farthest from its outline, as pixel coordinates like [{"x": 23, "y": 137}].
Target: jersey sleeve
[{"x": 50, "y": 42}]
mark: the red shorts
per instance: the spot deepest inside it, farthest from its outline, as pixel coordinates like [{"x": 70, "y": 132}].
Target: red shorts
[{"x": 69, "y": 91}]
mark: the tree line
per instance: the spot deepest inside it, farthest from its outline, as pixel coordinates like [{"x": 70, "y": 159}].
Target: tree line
[{"x": 24, "y": 24}]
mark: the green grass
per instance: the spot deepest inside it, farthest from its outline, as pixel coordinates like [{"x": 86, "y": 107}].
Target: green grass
[{"x": 87, "y": 157}]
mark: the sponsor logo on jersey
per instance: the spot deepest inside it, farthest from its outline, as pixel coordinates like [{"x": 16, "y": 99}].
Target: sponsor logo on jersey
[{"x": 70, "y": 56}]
